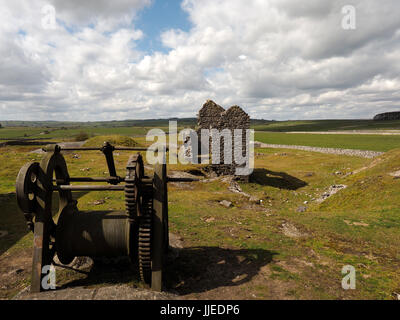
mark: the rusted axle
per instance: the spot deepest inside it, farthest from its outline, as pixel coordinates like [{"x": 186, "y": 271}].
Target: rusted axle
[
  {"x": 49, "y": 149},
  {"x": 88, "y": 188},
  {"x": 118, "y": 179},
  {"x": 91, "y": 179},
  {"x": 109, "y": 187}
]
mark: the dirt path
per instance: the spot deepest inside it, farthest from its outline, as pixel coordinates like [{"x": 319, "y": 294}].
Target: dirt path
[{"x": 348, "y": 152}]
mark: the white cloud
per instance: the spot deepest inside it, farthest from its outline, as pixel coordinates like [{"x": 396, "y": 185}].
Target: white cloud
[
  {"x": 280, "y": 59},
  {"x": 105, "y": 13}
]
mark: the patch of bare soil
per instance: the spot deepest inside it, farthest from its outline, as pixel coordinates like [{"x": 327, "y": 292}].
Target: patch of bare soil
[
  {"x": 14, "y": 269},
  {"x": 355, "y": 223},
  {"x": 296, "y": 265},
  {"x": 116, "y": 292},
  {"x": 291, "y": 231}
]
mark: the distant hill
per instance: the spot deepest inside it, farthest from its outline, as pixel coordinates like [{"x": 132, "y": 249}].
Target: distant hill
[
  {"x": 387, "y": 116},
  {"x": 188, "y": 122},
  {"x": 90, "y": 124}
]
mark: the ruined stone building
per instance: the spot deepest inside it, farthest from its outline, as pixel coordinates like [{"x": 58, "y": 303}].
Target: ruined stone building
[{"x": 212, "y": 116}]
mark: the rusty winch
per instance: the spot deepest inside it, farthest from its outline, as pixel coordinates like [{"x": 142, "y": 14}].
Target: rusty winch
[{"x": 140, "y": 232}]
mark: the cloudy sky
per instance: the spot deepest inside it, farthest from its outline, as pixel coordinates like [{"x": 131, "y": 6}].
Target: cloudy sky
[{"x": 137, "y": 59}]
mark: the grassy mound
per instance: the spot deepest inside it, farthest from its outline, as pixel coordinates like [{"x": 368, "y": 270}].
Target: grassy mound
[
  {"x": 115, "y": 140},
  {"x": 375, "y": 187}
]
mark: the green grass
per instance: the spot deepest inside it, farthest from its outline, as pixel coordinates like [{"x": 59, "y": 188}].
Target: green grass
[
  {"x": 155, "y": 123},
  {"x": 325, "y": 125},
  {"x": 330, "y": 243},
  {"x": 258, "y": 124},
  {"x": 69, "y": 133},
  {"x": 346, "y": 141},
  {"x": 18, "y": 132},
  {"x": 115, "y": 140},
  {"x": 247, "y": 240}
]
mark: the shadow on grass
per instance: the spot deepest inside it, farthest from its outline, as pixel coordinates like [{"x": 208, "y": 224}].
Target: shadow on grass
[
  {"x": 279, "y": 180},
  {"x": 199, "y": 269},
  {"x": 195, "y": 270},
  {"x": 12, "y": 222}
]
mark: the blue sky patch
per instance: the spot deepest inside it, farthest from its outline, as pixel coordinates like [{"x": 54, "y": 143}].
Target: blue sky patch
[
  {"x": 209, "y": 72},
  {"x": 160, "y": 16},
  {"x": 70, "y": 29}
]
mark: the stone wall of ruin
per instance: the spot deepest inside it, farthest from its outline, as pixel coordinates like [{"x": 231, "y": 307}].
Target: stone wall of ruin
[{"x": 213, "y": 116}]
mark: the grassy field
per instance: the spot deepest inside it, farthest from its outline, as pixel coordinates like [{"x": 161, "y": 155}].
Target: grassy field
[
  {"x": 103, "y": 124},
  {"x": 17, "y": 129},
  {"x": 289, "y": 246},
  {"x": 325, "y": 125},
  {"x": 346, "y": 141},
  {"x": 18, "y": 132},
  {"x": 266, "y": 131},
  {"x": 68, "y": 133}
]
